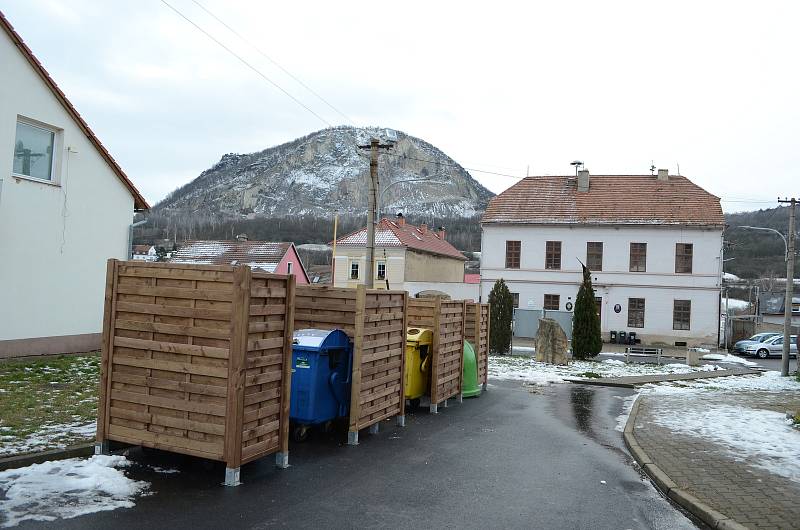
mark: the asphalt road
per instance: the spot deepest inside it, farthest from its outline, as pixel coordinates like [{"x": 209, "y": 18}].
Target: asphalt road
[{"x": 513, "y": 458}]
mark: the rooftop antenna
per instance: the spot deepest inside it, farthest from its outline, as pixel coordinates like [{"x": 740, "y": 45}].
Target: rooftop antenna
[
  {"x": 679, "y": 169},
  {"x": 578, "y": 164},
  {"x": 652, "y": 168}
]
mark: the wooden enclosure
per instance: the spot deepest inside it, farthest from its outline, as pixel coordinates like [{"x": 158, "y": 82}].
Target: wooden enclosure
[
  {"x": 376, "y": 322},
  {"x": 446, "y": 318},
  {"x": 197, "y": 360},
  {"x": 476, "y": 331}
]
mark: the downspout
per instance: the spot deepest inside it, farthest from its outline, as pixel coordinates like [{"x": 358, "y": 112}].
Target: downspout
[{"x": 130, "y": 236}]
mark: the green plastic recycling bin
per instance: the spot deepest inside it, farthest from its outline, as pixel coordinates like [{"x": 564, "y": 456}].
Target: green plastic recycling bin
[{"x": 470, "y": 387}]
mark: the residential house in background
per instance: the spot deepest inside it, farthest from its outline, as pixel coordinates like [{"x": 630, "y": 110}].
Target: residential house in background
[
  {"x": 652, "y": 242},
  {"x": 145, "y": 253},
  {"x": 771, "y": 311},
  {"x": 407, "y": 257},
  {"x": 59, "y": 188},
  {"x": 278, "y": 258}
]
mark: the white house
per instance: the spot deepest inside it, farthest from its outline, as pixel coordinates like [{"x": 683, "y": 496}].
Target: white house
[
  {"x": 652, "y": 242},
  {"x": 59, "y": 188},
  {"x": 144, "y": 253}
]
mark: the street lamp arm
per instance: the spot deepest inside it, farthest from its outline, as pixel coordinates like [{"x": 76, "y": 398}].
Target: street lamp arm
[{"x": 764, "y": 229}]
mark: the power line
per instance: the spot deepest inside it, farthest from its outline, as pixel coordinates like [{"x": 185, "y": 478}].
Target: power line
[
  {"x": 253, "y": 68},
  {"x": 274, "y": 62}
]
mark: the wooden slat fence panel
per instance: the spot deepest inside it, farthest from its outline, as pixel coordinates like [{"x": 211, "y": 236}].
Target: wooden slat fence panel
[
  {"x": 177, "y": 373},
  {"x": 446, "y": 318},
  {"x": 375, "y": 322},
  {"x": 477, "y": 333}
]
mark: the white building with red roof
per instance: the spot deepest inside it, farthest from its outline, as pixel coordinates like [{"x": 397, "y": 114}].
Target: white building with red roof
[
  {"x": 652, "y": 242},
  {"x": 59, "y": 188},
  {"x": 407, "y": 257}
]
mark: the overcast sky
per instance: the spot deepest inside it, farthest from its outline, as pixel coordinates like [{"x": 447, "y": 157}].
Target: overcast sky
[{"x": 499, "y": 86}]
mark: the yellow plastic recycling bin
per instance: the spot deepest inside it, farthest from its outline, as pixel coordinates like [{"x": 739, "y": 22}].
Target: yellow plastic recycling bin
[{"x": 418, "y": 360}]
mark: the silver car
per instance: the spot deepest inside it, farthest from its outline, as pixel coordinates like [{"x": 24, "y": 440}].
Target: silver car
[
  {"x": 773, "y": 346},
  {"x": 741, "y": 346}
]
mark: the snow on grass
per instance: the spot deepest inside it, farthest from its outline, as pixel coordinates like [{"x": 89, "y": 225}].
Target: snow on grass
[
  {"x": 762, "y": 438},
  {"x": 64, "y": 489},
  {"x": 46, "y": 437},
  {"x": 727, "y": 358},
  {"x": 528, "y": 370}
]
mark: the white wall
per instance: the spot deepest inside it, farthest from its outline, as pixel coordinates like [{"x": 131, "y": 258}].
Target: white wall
[
  {"x": 659, "y": 285},
  {"x": 393, "y": 257},
  {"x": 55, "y": 239},
  {"x": 456, "y": 290}
]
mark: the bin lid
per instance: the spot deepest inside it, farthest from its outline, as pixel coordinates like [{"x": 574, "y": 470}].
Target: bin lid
[
  {"x": 419, "y": 335},
  {"x": 319, "y": 339}
]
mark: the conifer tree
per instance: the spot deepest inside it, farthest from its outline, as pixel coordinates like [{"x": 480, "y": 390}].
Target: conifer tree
[
  {"x": 586, "y": 338},
  {"x": 502, "y": 309}
]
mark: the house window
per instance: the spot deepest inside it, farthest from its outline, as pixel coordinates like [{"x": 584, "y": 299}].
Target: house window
[
  {"x": 381, "y": 275},
  {"x": 638, "y": 257},
  {"x": 683, "y": 258},
  {"x": 354, "y": 270},
  {"x": 594, "y": 255},
  {"x": 512, "y": 254},
  {"x": 635, "y": 312},
  {"x": 289, "y": 267},
  {"x": 552, "y": 302},
  {"x": 552, "y": 259},
  {"x": 515, "y": 299},
  {"x": 598, "y": 303},
  {"x": 681, "y": 314},
  {"x": 34, "y": 151}
]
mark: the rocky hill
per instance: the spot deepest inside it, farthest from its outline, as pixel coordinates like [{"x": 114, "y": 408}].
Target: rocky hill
[{"x": 324, "y": 171}]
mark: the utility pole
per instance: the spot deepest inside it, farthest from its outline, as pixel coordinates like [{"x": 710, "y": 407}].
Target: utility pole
[
  {"x": 787, "y": 310},
  {"x": 374, "y": 186}
]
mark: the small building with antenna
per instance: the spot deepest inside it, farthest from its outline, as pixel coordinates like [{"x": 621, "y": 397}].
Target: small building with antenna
[{"x": 652, "y": 242}]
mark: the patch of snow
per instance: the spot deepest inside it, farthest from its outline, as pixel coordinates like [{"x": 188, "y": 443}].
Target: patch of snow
[
  {"x": 727, "y": 358},
  {"x": 615, "y": 362},
  {"x": 728, "y": 277},
  {"x": 627, "y": 405},
  {"x": 735, "y": 304},
  {"x": 165, "y": 470},
  {"x": 51, "y": 436},
  {"x": 762, "y": 438},
  {"x": 64, "y": 489}
]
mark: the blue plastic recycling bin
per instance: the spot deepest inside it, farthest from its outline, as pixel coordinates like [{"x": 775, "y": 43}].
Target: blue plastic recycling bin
[{"x": 322, "y": 363}]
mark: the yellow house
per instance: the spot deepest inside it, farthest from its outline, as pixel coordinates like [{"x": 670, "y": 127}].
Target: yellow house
[{"x": 407, "y": 257}]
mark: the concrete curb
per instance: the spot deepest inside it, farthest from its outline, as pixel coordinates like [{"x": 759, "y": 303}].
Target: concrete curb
[
  {"x": 699, "y": 509},
  {"x": 15, "y": 462}
]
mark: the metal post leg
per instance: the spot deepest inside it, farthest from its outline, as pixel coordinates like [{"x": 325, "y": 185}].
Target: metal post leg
[
  {"x": 461, "y": 398},
  {"x": 101, "y": 448},
  {"x": 231, "y": 476},
  {"x": 282, "y": 460},
  {"x": 401, "y": 421},
  {"x": 434, "y": 408},
  {"x": 444, "y": 404},
  {"x": 352, "y": 438}
]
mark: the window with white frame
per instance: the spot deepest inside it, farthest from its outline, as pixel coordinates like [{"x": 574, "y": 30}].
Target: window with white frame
[
  {"x": 381, "y": 270},
  {"x": 35, "y": 151},
  {"x": 353, "y": 270}
]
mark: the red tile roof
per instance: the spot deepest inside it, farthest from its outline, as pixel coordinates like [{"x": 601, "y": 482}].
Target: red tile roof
[
  {"x": 611, "y": 199},
  {"x": 258, "y": 254},
  {"x": 391, "y": 234},
  {"x": 139, "y": 203}
]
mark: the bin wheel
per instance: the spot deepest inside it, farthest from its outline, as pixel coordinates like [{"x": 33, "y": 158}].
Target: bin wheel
[
  {"x": 300, "y": 433},
  {"x": 414, "y": 403},
  {"x": 327, "y": 426}
]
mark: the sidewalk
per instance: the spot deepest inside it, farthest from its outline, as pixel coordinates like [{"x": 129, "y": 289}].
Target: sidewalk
[{"x": 722, "y": 455}]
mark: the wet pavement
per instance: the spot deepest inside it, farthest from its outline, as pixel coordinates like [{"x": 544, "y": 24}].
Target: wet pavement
[{"x": 517, "y": 457}]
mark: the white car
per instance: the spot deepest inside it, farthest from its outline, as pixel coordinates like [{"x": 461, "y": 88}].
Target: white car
[{"x": 773, "y": 346}]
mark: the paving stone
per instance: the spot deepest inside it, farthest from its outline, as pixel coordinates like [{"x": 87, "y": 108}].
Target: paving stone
[{"x": 739, "y": 493}]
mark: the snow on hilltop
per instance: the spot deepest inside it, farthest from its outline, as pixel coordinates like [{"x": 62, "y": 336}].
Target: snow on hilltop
[{"x": 326, "y": 170}]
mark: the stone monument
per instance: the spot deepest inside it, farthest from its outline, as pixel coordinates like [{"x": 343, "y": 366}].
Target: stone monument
[{"x": 551, "y": 343}]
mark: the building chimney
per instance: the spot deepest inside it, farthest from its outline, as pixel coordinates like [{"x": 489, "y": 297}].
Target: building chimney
[
  {"x": 423, "y": 228},
  {"x": 442, "y": 233},
  {"x": 583, "y": 180},
  {"x": 241, "y": 237},
  {"x": 401, "y": 221},
  {"x": 663, "y": 174}
]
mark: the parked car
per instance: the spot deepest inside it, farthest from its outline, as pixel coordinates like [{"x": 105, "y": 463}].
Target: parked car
[
  {"x": 773, "y": 346},
  {"x": 741, "y": 346}
]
